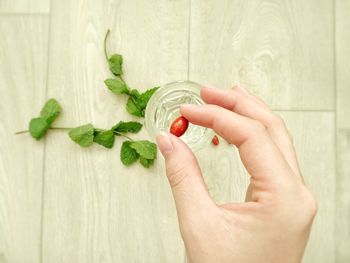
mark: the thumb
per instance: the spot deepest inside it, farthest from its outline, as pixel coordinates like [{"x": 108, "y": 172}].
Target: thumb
[{"x": 189, "y": 190}]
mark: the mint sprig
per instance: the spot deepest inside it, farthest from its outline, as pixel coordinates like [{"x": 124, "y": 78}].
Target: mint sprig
[
  {"x": 144, "y": 151},
  {"x": 131, "y": 150},
  {"x": 136, "y": 103},
  {"x": 48, "y": 114},
  {"x": 85, "y": 135}
]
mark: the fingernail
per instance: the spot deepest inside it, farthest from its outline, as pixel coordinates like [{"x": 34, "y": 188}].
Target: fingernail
[
  {"x": 164, "y": 143},
  {"x": 241, "y": 89}
]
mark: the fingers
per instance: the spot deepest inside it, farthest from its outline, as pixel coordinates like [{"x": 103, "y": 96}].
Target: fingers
[
  {"x": 190, "y": 193},
  {"x": 243, "y": 103},
  {"x": 260, "y": 155}
]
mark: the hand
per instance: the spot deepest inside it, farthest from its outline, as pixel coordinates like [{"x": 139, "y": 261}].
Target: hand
[{"x": 273, "y": 224}]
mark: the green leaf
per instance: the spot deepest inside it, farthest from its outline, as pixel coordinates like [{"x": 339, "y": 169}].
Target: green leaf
[
  {"x": 130, "y": 126},
  {"x": 83, "y": 135},
  {"x": 38, "y": 127},
  {"x": 144, "y": 97},
  {"x": 137, "y": 102},
  {"x": 50, "y": 111},
  {"x": 146, "y": 162},
  {"x": 133, "y": 108},
  {"x": 127, "y": 154},
  {"x": 135, "y": 94},
  {"x": 115, "y": 64},
  {"x": 105, "y": 138},
  {"x": 145, "y": 148},
  {"x": 117, "y": 86}
]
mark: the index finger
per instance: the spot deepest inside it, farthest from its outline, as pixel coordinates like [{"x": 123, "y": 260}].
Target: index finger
[{"x": 259, "y": 154}]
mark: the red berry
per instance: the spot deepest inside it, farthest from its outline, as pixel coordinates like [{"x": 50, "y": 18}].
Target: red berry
[
  {"x": 179, "y": 126},
  {"x": 215, "y": 140}
]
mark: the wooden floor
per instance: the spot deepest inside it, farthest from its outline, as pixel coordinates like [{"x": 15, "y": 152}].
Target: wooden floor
[{"x": 61, "y": 203}]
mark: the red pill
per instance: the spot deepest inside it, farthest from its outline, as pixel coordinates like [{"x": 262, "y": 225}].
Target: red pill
[
  {"x": 215, "y": 140},
  {"x": 179, "y": 126}
]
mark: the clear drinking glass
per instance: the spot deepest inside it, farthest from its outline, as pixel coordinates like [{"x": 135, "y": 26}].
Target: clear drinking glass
[{"x": 164, "y": 107}]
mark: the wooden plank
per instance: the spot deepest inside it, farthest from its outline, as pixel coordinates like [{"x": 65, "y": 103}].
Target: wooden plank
[
  {"x": 313, "y": 134},
  {"x": 96, "y": 209},
  {"x": 281, "y": 50},
  {"x": 342, "y": 63},
  {"x": 23, "y": 56},
  {"x": 342, "y": 228},
  {"x": 25, "y": 6},
  {"x": 342, "y": 36},
  {"x": 223, "y": 172}
]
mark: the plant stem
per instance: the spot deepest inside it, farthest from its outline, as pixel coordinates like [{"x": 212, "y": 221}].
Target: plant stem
[
  {"x": 105, "y": 44},
  {"x": 123, "y": 135},
  {"x": 121, "y": 78},
  {"x": 52, "y": 128},
  {"x": 99, "y": 130},
  {"x": 68, "y": 128}
]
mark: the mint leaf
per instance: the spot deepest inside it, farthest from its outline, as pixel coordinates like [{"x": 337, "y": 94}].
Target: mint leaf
[
  {"x": 50, "y": 111},
  {"x": 130, "y": 126},
  {"x": 127, "y": 154},
  {"x": 146, "y": 162},
  {"x": 135, "y": 94},
  {"x": 115, "y": 64},
  {"x": 133, "y": 108},
  {"x": 137, "y": 103},
  {"x": 83, "y": 135},
  {"x": 105, "y": 138},
  {"x": 144, "y": 97},
  {"x": 38, "y": 127},
  {"x": 145, "y": 148},
  {"x": 117, "y": 86}
]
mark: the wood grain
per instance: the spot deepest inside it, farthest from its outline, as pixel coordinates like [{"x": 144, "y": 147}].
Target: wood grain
[
  {"x": 25, "y": 6},
  {"x": 225, "y": 176},
  {"x": 97, "y": 210},
  {"x": 23, "y": 56},
  {"x": 280, "y": 50},
  {"x": 343, "y": 197},
  {"x": 314, "y": 136},
  {"x": 342, "y": 38},
  {"x": 342, "y": 63}
]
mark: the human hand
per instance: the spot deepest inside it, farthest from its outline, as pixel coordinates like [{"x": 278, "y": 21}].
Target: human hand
[{"x": 273, "y": 224}]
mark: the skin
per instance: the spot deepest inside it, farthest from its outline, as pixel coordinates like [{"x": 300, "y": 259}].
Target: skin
[{"x": 274, "y": 222}]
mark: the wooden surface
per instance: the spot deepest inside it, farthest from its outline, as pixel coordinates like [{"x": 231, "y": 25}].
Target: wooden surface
[
  {"x": 343, "y": 130},
  {"x": 23, "y": 56},
  {"x": 62, "y": 203},
  {"x": 281, "y": 50},
  {"x": 24, "y": 6},
  {"x": 343, "y": 66}
]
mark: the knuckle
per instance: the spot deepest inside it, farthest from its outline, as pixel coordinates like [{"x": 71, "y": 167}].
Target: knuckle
[
  {"x": 309, "y": 204},
  {"x": 176, "y": 175},
  {"x": 277, "y": 121},
  {"x": 312, "y": 205},
  {"x": 258, "y": 127}
]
